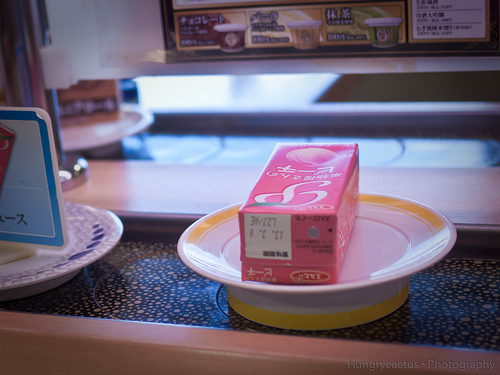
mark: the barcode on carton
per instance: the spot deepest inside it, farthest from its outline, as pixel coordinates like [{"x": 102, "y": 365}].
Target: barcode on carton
[{"x": 275, "y": 254}]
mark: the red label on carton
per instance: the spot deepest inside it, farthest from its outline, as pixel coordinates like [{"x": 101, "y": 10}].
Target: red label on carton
[
  {"x": 6, "y": 141},
  {"x": 296, "y": 223}
]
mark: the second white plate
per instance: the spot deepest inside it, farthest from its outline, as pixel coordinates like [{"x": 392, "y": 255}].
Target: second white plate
[{"x": 93, "y": 232}]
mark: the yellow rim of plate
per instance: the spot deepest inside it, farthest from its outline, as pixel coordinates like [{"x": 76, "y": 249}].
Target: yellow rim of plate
[
  {"x": 428, "y": 218},
  {"x": 207, "y": 225},
  {"x": 320, "y": 321}
]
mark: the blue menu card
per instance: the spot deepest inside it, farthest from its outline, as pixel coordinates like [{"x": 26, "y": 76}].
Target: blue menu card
[{"x": 31, "y": 203}]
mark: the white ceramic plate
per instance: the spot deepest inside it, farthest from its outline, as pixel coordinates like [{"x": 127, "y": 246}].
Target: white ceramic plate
[
  {"x": 392, "y": 238},
  {"x": 132, "y": 120},
  {"x": 92, "y": 232}
]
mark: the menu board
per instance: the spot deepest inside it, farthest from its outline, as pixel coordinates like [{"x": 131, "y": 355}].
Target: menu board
[
  {"x": 31, "y": 203},
  {"x": 198, "y": 30}
]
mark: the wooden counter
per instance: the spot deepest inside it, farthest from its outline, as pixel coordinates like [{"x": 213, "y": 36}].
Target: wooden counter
[
  {"x": 37, "y": 344},
  {"x": 468, "y": 196}
]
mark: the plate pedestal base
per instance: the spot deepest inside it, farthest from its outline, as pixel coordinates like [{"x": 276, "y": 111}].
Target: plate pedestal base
[{"x": 320, "y": 311}]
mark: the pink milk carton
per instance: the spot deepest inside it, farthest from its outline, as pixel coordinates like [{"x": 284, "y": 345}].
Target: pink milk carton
[{"x": 295, "y": 226}]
